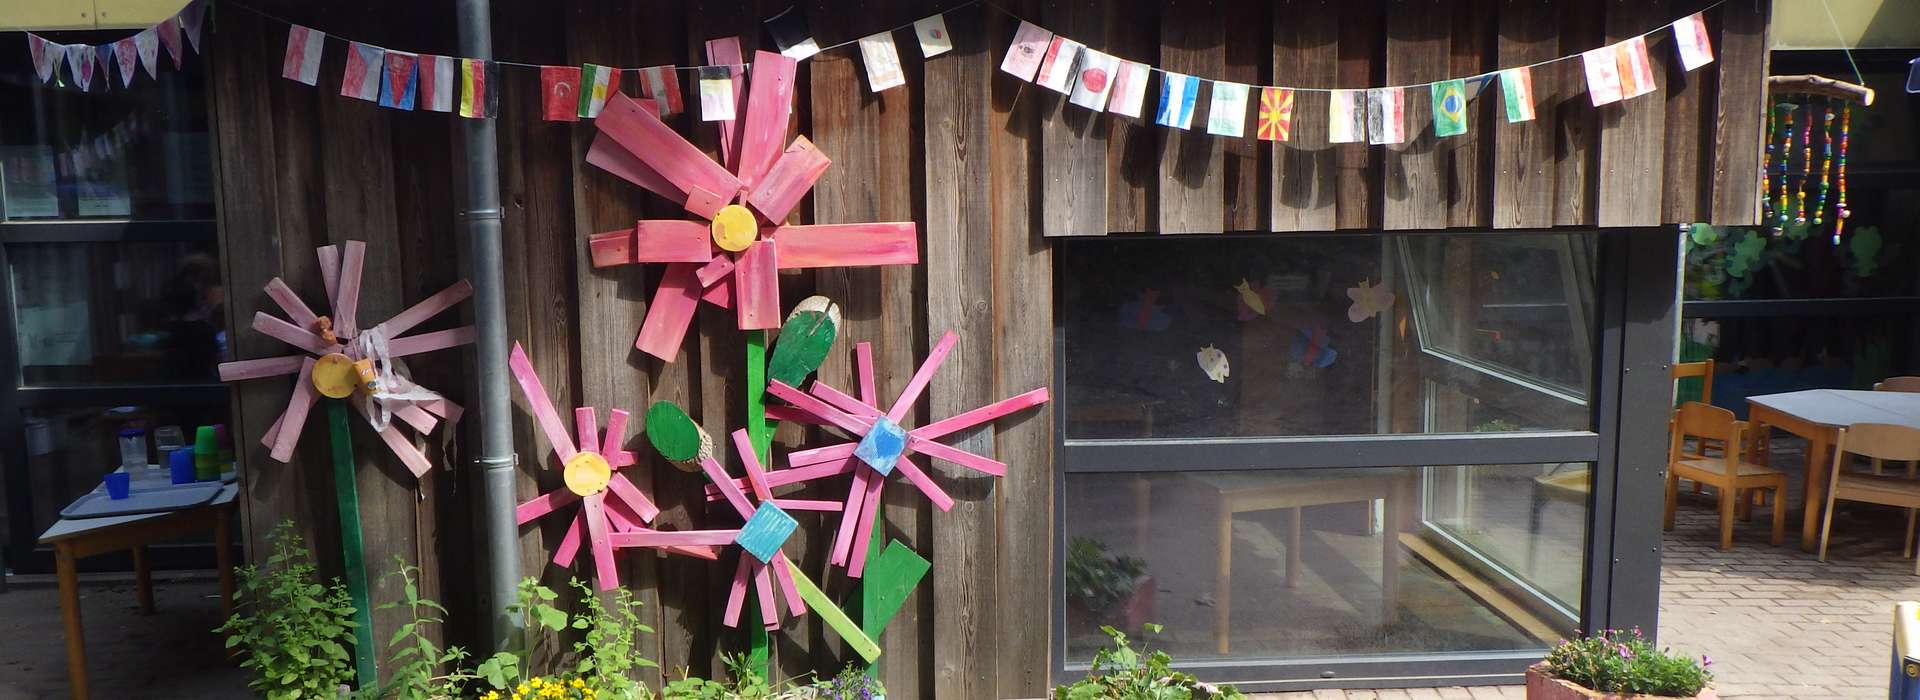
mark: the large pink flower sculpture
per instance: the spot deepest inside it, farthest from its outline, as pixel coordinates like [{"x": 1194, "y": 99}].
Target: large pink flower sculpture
[{"x": 733, "y": 255}]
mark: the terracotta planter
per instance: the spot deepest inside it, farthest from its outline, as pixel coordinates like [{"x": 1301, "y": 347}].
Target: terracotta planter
[{"x": 1541, "y": 686}]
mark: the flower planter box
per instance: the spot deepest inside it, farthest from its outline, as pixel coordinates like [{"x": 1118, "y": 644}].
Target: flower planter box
[{"x": 1541, "y": 686}]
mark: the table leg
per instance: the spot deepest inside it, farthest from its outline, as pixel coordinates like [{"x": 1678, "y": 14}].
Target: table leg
[
  {"x": 1223, "y": 582},
  {"x": 1816, "y": 490},
  {"x": 1294, "y": 525},
  {"x": 142, "y": 579},
  {"x": 1390, "y": 562},
  {"x": 70, "y": 616},
  {"x": 223, "y": 558}
]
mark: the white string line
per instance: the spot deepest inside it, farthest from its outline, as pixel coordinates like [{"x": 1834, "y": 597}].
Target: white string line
[
  {"x": 1842, "y": 40},
  {"x": 1471, "y": 78}
]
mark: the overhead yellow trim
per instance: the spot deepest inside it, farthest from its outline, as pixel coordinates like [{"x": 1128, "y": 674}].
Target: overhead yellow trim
[
  {"x": 1864, "y": 24},
  {"x": 57, "y": 15}
]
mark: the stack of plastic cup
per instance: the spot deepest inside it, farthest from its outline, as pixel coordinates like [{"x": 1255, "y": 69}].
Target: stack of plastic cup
[
  {"x": 206, "y": 453},
  {"x": 181, "y": 467}
]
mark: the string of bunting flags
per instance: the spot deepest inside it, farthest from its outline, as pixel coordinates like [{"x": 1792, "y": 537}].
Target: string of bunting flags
[
  {"x": 83, "y": 61},
  {"x": 1089, "y": 78}
]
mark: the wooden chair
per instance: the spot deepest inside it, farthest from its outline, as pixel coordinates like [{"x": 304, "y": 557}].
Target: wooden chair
[
  {"x": 1906, "y": 384},
  {"x": 1727, "y": 472},
  {"x": 1877, "y": 441},
  {"x": 1702, "y": 369}
]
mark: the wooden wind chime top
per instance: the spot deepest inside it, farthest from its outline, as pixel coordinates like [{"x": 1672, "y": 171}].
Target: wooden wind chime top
[{"x": 1789, "y": 209}]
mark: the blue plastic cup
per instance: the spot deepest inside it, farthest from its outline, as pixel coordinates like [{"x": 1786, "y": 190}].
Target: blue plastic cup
[
  {"x": 118, "y": 483},
  {"x": 180, "y": 466}
]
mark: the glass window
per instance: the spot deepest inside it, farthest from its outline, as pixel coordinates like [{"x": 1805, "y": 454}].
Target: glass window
[
  {"x": 70, "y": 449},
  {"x": 1327, "y": 562},
  {"x": 1327, "y": 335},
  {"x": 117, "y": 313},
  {"x": 112, "y": 152}
]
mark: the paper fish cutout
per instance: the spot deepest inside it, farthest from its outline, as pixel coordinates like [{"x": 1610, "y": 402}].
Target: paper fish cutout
[
  {"x": 1145, "y": 314},
  {"x": 1213, "y": 362},
  {"x": 1253, "y": 300},
  {"x": 1312, "y": 349},
  {"x": 1368, "y": 301}
]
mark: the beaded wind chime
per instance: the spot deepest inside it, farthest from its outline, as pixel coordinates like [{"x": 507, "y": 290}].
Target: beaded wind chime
[{"x": 1799, "y": 102}]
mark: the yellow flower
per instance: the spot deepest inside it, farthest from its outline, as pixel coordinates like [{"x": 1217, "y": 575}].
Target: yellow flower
[
  {"x": 577, "y": 683},
  {"x": 491, "y": 695},
  {"x": 517, "y": 696},
  {"x": 522, "y": 688}
]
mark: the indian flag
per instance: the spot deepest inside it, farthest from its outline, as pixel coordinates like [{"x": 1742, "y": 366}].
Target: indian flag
[
  {"x": 1516, "y": 84},
  {"x": 596, "y": 82}
]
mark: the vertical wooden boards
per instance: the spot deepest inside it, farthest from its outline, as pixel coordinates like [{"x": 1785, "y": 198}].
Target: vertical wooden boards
[
  {"x": 1523, "y": 172},
  {"x": 1632, "y": 133},
  {"x": 1073, "y": 156},
  {"x": 1192, "y": 179},
  {"x": 1742, "y": 62},
  {"x": 1413, "y": 181},
  {"x": 1576, "y": 122},
  {"x": 1305, "y": 54},
  {"x": 874, "y": 141},
  {"x": 969, "y": 105},
  {"x": 1357, "y": 54},
  {"x": 1247, "y": 61},
  {"x": 1022, "y": 358},
  {"x": 1685, "y": 189},
  {"x": 1467, "y": 159},
  {"x": 1133, "y": 146}
]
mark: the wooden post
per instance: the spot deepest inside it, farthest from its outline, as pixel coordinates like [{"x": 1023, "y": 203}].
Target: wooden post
[{"x": 352, "y": 556}]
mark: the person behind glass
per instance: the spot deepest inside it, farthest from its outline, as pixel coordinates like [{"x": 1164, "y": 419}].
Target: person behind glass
[{"x": 195, "y": 323}]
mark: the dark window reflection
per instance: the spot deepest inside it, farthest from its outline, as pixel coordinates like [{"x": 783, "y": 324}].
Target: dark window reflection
[{"x": 117, "y": 313}]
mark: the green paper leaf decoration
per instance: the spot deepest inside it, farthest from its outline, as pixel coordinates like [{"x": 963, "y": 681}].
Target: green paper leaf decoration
[
  {"x": 675, "y": 435},
  {"x": 1864, "y": 248},
  {"x": 805, "y": 339}
]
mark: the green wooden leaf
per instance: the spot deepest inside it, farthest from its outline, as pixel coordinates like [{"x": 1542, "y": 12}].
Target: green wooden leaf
[
  {"x": 805, "y": 339},
  {"x": 674, "y": 434},
  {"x": 890, "y": 577}
]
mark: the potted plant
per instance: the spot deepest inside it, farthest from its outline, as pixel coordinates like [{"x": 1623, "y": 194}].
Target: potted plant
[
  {"x": 1617, "y": 664},
  {"x": 1121, "y": 673},
  {"x": 1099, "y": 583}
]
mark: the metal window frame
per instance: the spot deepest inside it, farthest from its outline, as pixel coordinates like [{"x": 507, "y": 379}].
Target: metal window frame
[
  {"x": 23, "y": 553},
  {"x": 1638, "y": 290}
]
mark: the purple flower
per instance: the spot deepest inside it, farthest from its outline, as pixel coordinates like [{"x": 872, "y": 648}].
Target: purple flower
[
  {"x": 1706, "y": 661},
  {"x": 1626, "y": 652}
]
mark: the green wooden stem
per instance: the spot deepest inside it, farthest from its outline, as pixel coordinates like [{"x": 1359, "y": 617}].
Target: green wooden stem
[
  {"x": 761, "y": 435},
  {"x": 352, "y": 554}
]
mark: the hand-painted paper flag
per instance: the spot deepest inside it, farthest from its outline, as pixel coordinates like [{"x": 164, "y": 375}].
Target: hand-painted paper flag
[
  {"x": 662, "y": 84},
  {"x": 1056, "y": 69},
  {"x": 932, "y": 33},
  {"x": 492, "y": 92},
  {"x": 1129, "y": 89},
  {"x": 1516, "y": 86},
  {"x": 1386, "y": 116},
  {"x": 883, "y": 61},
  {"x": 790, "y": 33},
  {"x": 400, "y": 84},
  {"x": 170, "y": 37},
  {"x": 80, "y": 62},
  {"x": 1913, "y": 76},
  {"x": 560, "y": 91},
  {"x": 1449, "y": 108},
  {"x": 1227, "y": 111},
  {"x": 302, "y": 62},
  {"x": 596, "y": 82},
  {"x": 437, "y": 83},
  {"x": 1346, "y": 116},
  {"x": 716, "y": 94},
  {"x": 1603, "y": 75},
  {"x": 474, "y": 88},
  {"x": 1024, "y": 54},
  {"x": 1635, "y": 66},
  {"x": 103, "y": 54},
  {"x": 148, "y": 44},
  {"x": 126, "y": 55},
  {"x": 1276, "y": 114},
  {"x": 1690, "y": 36},
  {"x": 1177, "y": 94},
  {"x": 46, "y": 56},
  {"x": 191, "y": 19},
  {"x": 362, "y": 77},
  {"x": 1091, "y": 89}
]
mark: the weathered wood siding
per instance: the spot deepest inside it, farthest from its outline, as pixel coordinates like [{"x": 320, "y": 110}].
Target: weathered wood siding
[{"x": 987, "y": 165}]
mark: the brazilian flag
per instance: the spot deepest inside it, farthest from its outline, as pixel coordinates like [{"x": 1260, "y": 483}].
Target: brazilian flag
[{"x": 1450, "y": 108}]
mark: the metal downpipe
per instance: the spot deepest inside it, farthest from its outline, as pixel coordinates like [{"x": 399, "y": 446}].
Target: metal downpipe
[{"x": 481, "y": 220}]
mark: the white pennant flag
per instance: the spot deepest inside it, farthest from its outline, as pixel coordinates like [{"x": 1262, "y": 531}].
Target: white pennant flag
[
  {"x": 147, "y": 43},
  {"x": 1690, "y": 35},
  {"x": 80, "y": 61},
  {"x": 883, "y": 62},
  {"x": 1227, "y": 112},
  {"x": 1095, "y": 83},
  {"x": 46, "y": 56},
  {"x": 1056, "y": 67},
  {"x": 932, "y": 33},
  {"x": 192, "y": 18},
  {"x": 1129, "y": 89}
]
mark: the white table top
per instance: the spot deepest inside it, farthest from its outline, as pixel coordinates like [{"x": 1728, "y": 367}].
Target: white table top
[
  {"x": 71, "y": 527},
  {"x": 1843, "y": 407}
]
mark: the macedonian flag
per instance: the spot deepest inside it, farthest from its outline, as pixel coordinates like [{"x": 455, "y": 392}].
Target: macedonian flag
[{"x": 1276, "y": 114}]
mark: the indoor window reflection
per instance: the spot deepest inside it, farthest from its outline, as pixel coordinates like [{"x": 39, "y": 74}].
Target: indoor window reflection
[{"x": 117, "y": 313}]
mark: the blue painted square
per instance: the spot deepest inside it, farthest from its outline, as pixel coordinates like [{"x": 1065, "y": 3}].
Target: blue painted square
[
  {"x": 882, "y": 446},
  {"x": 765, "y": 532}
]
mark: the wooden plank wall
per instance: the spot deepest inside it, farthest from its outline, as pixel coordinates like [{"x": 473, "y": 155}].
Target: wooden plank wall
[{"x": 987, "y": 165}]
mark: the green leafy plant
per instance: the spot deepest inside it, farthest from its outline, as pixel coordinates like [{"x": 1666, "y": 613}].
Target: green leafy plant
[
  {"x": 747, "y": 684},
  {"x": 415, "y": 659},
  {"x": 1624, "y": 662},
  {"x": 534, "y": 603},
  {"x": 850, "y": 684},
  {"x": 1096, "y": 580},
  {"x": 1121, "y": 673},
  {"x": 293, "y": 630},
  {"x": 607, "y": 651}
]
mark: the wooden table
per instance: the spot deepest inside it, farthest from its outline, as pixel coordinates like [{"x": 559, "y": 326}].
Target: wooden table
[
  {"x": 73, "y": 539},
  {"x": 1243, "y": 492},
  {"x": 1818, "y": 415}
]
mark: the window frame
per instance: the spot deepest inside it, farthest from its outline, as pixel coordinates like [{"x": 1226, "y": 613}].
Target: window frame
[{"x": 1636, "y": 328}]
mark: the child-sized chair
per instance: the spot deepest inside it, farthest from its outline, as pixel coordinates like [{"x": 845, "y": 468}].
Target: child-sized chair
[
  {"x": 1877, "y": 441},
  {"x": 1727, "y": 472}
]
